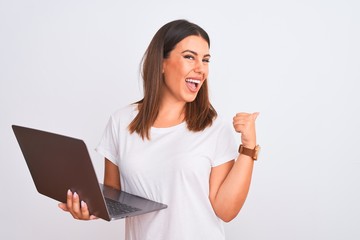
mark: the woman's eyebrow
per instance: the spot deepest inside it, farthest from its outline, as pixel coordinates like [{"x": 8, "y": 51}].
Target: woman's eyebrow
[{"x": 195, "y": 53}]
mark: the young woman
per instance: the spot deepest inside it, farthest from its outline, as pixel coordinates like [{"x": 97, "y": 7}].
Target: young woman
[{"x": 172, "y": 148}]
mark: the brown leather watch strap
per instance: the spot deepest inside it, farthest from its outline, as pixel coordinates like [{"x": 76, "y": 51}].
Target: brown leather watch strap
[{"x": 249, "y": 152}]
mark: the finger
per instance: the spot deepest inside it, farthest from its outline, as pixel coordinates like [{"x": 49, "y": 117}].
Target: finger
[
  {"x": 69, "y": 203},
  {"x": 84, "y": 210},
  {"x": 69, "y": 199},
  {"x": 255, "y": 115},
  {"x": 244, "y": 117},
  {"x": 92, "y": 217},
  {"x": 242, "y": 114},
  {"x": 240, "y": 121},
  {"x": 63, "y": 206},
  {"x": 76, "y": 205},
  {"x": 239, "y": 128}
]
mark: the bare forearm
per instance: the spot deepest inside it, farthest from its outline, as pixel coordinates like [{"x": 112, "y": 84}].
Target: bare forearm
[
  {"x": 111, "y": 175},
  {"x": 234, "y": 190},
  {"x": 230, "y": 182}
]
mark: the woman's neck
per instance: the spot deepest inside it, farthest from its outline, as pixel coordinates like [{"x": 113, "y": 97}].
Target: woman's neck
[{"x": 170, "y": 114}]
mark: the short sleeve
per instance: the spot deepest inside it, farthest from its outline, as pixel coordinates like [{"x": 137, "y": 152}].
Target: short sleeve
[
  {"x": 109, "y": 144},
  {"x": 226, "y": 146}
]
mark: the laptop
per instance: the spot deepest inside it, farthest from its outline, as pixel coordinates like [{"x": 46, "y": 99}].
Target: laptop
[{"x": 58, "y": 163}]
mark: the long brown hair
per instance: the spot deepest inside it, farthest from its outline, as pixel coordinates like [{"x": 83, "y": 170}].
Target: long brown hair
[{"x": 199, "y": 114}]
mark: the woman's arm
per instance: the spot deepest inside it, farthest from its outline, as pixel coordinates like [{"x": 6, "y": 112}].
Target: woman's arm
[
  {"x": 230, "y": 182},
  {"x": 111, "y": 175},
  {"x": 229, "y": 186}
]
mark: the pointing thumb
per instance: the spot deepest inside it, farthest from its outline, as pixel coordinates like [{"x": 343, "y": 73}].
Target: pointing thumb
[{"x": 255, "y": 115}]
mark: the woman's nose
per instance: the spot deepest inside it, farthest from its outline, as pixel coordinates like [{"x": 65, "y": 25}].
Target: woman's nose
[{"x": 199, "y": 67}]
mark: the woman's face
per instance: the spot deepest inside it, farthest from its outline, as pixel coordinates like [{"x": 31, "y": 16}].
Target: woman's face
[{"x": 185, "y": 70}]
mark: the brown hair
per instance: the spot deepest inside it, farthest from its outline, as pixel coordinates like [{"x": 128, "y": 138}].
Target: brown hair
[{"x": 199, "y": 114}]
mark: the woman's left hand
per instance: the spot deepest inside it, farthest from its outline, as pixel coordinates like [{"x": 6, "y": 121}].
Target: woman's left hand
[{"x": 244, "y": 123}]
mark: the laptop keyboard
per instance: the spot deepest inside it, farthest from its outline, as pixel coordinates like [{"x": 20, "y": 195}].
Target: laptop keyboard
[{"x": 116, "y": 208}]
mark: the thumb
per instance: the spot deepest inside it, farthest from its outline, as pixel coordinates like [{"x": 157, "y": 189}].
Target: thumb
[
  {"x": 255, "y": 115},
  {"x": 63, "y": 206}
]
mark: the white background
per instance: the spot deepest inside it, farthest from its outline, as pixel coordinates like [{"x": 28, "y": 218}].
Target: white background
[{"x": 65, "y": 66}]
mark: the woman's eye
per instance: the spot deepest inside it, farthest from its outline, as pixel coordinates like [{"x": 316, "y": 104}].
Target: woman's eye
[
  {"x": 189, "y": 57},
  {"x": 206, "y": 60}
]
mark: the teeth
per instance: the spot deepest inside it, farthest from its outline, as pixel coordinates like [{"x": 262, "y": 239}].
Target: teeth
[{"x": 193, "y": 81}]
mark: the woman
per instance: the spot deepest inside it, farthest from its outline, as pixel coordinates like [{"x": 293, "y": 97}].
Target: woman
[{"x": 172, "y": 148}]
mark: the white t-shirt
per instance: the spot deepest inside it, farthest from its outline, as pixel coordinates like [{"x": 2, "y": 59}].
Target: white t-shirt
[{"x": 173, "y": 168}]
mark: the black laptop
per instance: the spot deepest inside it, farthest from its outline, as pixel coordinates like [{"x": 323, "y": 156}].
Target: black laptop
[{"x": 58, "y": 163}]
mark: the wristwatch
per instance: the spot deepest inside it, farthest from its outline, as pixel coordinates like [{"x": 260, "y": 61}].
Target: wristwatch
[{"x": 253, "y": 153}]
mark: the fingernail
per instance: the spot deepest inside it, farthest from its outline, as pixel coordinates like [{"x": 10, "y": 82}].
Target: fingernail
[
  {"x": 68, "y": 192},
  {"x": 75, "y": 195},
  {"x": 82, "y": 204}
]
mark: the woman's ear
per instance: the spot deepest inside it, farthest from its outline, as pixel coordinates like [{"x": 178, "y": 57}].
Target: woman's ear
[{"x": 163, "y": 66}]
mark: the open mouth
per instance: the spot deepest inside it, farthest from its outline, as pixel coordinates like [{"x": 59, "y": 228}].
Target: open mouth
[{"x": 192, "y": 83}]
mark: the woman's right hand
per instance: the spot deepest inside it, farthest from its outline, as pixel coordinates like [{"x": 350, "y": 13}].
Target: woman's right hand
[{"x": 77, "y": 209}]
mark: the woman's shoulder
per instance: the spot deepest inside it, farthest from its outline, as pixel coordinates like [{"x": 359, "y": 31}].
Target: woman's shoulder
[
  {"x": 127, "y": 109},
  {"x": 125, "y": 113}
]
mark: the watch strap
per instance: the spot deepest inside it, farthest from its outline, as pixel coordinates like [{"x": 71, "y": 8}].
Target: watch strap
[{"x": 248, "y": 151}]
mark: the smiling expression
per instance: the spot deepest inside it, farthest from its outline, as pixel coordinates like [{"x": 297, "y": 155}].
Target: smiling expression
[{"x": 185, "y": 69}]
